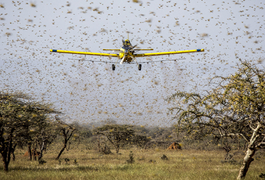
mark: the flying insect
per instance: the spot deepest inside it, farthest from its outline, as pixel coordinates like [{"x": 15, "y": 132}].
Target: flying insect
[{"x": 127, "y": 53}]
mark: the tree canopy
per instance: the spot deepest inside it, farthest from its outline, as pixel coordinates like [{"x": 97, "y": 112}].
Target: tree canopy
[
  {"x": 21, "y": 119},
  {"x": 118, "y": 135},
  {"x": 236, "y": 107}
]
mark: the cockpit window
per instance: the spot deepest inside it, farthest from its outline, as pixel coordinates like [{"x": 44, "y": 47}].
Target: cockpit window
[{"x": 127, "y": 42}]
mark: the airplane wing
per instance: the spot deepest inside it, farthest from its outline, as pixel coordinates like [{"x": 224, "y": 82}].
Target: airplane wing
[
  {"x": 84, "y": 53},
  {"x": 96, "y": 61},
  {"x": 168, "y": 53}
]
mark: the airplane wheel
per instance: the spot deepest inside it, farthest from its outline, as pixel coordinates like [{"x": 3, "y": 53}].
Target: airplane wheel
[
  {"x": 113, "y": 67},
  {"x": 139, "y": 67}
]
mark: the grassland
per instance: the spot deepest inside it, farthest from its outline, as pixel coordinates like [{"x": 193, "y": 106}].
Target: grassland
[{"x": 90, "y": 164}]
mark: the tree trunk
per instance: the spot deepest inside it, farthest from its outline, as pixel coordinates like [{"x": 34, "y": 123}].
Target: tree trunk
[
  {"x": 6, "y": 151},
  {"x": 251, "y": 149},
  {"x": 246, "y": 163},
  {"x": 41, "y": 150},
  {"x": 99, "y": 148},
  {"x": 14, "y": 157},
  {"x": 61, "y": 152},
  {"x": 5, "y": 165},
  {"x": 117, "y": 148},
  {"x": 34, "y": 153},
  {"x": 66, "y": 139},
  {"x": 29, "y": 151},
  {"x": 5, "y": 161},
  {"x": 13, "y": 152}
]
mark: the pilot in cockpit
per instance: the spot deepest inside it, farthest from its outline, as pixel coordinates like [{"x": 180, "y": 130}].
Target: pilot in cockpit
[{"x": 126, "y": 43}]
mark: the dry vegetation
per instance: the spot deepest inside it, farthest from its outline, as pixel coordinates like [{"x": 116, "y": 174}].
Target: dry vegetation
[{"x": 90, "y": 164}]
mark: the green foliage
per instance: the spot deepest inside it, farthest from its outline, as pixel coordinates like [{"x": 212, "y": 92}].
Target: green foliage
[
  {"x": 22, "y": 121},
  {"x": 235, "y": 108},
  {"x": 140, "y": 140},
  {"x": 118, "y": 135}
]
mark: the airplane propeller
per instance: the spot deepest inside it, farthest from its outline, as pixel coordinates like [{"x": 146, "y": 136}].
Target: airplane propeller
[{"x": 122, "y": 59}]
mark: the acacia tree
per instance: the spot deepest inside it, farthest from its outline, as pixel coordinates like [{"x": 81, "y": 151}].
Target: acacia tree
[
  {"x": 66, "y": 131},
  {"x": 235, "y": 108},
  {"x": 32, "y": 129},
  {"x": 19, "y": 116},
  {"x": 118, "y": 135},
  {"x": 47, "y": 134},
  {"x": 140, "y": 140}
]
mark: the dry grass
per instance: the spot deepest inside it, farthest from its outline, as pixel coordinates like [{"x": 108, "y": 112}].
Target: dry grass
[{"x": 185, "y": 164}]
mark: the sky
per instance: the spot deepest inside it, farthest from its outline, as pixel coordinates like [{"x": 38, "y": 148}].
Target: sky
[{"x": 91, "y": 92}]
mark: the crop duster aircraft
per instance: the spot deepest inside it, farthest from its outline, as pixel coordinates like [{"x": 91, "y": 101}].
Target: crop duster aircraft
[{"x": 127, "y": 53}]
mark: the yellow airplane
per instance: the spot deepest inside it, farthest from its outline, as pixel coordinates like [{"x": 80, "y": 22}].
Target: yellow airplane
[{"x": 127, "y": 54}]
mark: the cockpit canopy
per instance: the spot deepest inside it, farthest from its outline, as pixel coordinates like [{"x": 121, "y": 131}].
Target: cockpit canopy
[{"x": 126, "y": 42}]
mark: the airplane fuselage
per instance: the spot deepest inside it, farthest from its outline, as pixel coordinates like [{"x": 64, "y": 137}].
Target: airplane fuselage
[{"x": 126, "y": 51}]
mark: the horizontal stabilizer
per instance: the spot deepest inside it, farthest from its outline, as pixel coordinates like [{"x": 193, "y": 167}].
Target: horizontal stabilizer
[
  {"x": 143, "y": 49},
  {"x": 111, "y": 49}
]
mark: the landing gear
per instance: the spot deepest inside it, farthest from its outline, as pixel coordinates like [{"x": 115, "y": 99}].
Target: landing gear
[
  {"x": 113, "y": 67},
  {"x": 139, "y": 67}
]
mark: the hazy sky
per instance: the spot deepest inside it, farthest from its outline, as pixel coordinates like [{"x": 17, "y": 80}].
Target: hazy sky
[{"x": 91, "y": 92}]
